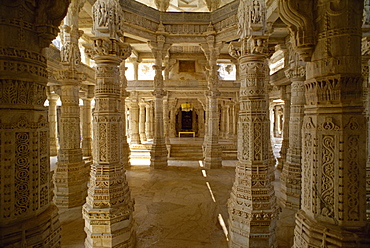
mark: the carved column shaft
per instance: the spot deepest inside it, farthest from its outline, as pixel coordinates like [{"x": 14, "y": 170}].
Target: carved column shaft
[
  {"x": 124, "y": 94},
  {"x": 142, "y": 122},
  {"x": 28, "y": 218},
  {"x": 285, "y": 128},
  {"x": 108, "y": 209},
  {"x": 166, "y": 122},
  {"x": 71, "y": 174},
  {"x": 149, "y": 121},
  {"x": 86, "y": 127},
  {"x": 158, "y": 153},
  {"x": 134, "y": 114},
  {"x": 291, "y": 175},
  {"x": 53, "y": 98},
  {"x": 212, "y": 149},
  {"x": 228, "y": 123},
  {"x": 333, "y": 211},
  {"x": 252, "y": 204}
]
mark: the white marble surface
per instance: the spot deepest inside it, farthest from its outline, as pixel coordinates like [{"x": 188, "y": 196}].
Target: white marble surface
[{"x": 174, "y": 208}]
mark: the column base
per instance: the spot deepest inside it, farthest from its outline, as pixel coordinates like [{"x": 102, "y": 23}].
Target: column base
[
  {"x": 53, "y": 152},
  {"x": 158, "y": 156},
  {"x": 289, "y": 201},
  {"x": 135, "y": 139},
  {"x": 39, "y": 231},
  {"x": 252, "y": 234},
  {"x": 107, "y": 228},
  {"x": 212, "y": 157},
  {"x": 70, "y": 182},
  {"x": 213, "y": 162},
  {"x": 142, "y": 136},
  {"x": 311, "y": 234}
]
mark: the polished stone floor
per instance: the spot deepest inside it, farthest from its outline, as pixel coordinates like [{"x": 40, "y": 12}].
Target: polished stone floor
[{"x": 183, "y": 206}]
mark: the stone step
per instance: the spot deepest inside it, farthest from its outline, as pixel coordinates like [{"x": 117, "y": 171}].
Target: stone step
[{"x": 189, "y": 152}]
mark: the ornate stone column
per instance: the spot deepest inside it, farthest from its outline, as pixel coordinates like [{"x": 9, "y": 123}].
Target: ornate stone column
[
  {"x": 333, "y": 208},
  {"x": 228, "y": 123},
  {"x": 52, "y": 114},
  {"x": 149, "y": 120},
  {"x": 223, "y": 119},
  {"x": 108, "y": 208},
  {"x": 290, "y": 177},
  {"x": 124, "y": 94},
  {"x": 134, "y": 114},
  {"x": 286, "y": 116},
  {"x": 158, "y": 153},
  {"x": 212, "y": 149},
  {"x": 71, "y": 173},
  {"x": 86, "y": 122},
  {"x": 28, "y": 218},
  {"x": 166, "y": 123},
  {"x": 142, "y": 121},
  {"x": 252, "y": 205}
]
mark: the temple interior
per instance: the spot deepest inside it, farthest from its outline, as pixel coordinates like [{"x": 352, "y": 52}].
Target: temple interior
[{"x": 184, "y": 123}]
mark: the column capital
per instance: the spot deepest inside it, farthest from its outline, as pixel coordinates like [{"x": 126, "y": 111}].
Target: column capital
[
  {"x": 109, "y": 50},
  {"x": 69, "y": 75},
  {"x": 296, "y": 73}
]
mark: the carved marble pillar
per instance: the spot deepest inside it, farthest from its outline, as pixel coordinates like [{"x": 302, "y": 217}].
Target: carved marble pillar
[
  {"x": 366, "y": 86},
  {"x": 290, "y": 177},
  {"x": 52, "y": 114},
  {"x": 228, "y": 123},
  {"x": 158, "y": 153},
  {"x": 109, "y": 208},
  {"x": 142, "y": 121},
  {"x": 124, "y": 94},
  {"x": 333, "y": 207},
  {"x": 212, "y": 148},
  {"x": 86, "y": 123},
  {"x": 223, "y": 120},
  {"x": 71, "y": 173},
  {"x": 166, "y": 123},
  {"x": 134, "y": 114},
  {"x": 286, "y": 116},
  {"x": 252, "y": 204},
  {"x": 149, "y": 120},
  {"x": 28, "y": 218}
]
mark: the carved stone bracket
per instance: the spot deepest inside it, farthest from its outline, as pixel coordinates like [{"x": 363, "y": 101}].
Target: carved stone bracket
[{"x": 298, "y": 15}]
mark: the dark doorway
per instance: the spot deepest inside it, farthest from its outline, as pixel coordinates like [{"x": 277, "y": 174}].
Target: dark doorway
[{"x": 187, "y": 120}]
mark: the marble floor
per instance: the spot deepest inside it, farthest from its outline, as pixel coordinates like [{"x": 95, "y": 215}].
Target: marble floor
[{"x": 182, "y": 206}]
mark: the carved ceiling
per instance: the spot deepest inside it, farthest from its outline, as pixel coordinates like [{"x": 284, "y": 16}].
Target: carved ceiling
[{"x": 186, "y": 22}]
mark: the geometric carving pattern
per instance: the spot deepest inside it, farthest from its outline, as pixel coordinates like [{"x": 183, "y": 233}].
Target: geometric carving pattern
[
  {"x": 27, "y": 216},
  {"x": 108, "y": 208},
  {"x": 252, "y": 204}
]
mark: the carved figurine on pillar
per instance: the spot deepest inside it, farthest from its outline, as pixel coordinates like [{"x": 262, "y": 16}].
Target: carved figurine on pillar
[
  {"x": 252, "y": 204},
  {"x": 108, "y": 211},
  {"x": 333, "y": 207},
  {"x": 158, "y": 153}
]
